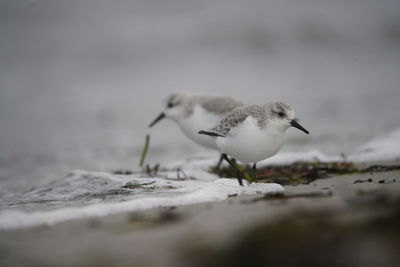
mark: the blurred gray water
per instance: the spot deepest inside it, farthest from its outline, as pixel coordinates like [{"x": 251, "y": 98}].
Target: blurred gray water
[{"x": 81, "y": 79}]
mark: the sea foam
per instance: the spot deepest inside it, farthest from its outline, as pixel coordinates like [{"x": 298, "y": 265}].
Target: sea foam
[{"x": 155, "y": 192}]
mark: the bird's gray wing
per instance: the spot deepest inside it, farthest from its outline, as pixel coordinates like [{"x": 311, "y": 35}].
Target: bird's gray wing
[
  {"x": 220, "y": 105},
  {"x": 230, "y": 120}
]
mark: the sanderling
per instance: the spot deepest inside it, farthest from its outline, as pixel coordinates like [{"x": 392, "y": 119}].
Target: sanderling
[
  {"x": 193, "y": 113},
  {"x": 253, "y": 132}
]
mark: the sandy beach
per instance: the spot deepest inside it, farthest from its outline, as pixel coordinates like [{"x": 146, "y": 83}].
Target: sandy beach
[{"x": 308, "y": 225}]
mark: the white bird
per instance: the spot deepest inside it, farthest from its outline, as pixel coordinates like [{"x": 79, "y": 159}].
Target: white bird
[
  {"x": 194, "y": 112},
  {"x": 253, "y": 133}
]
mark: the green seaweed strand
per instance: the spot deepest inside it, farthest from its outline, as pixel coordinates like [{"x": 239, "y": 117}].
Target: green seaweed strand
[{"x": 145, "y": 149}]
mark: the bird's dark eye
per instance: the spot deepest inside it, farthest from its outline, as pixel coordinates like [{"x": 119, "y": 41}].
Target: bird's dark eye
[
  {"x": 170, "y": 105},
  {"x": 281, "y": 114}
]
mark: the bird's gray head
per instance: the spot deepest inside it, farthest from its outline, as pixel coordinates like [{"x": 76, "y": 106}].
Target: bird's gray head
[
  {"x": 282, "y": 116},
  {"x": 175, "y": 107}
]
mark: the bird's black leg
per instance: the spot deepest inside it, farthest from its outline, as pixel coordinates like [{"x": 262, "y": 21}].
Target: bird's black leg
[
  {"x": 255, "y": 171},
  {"x": 239, "y": 174},
  {"x": 221, "y": 158}
]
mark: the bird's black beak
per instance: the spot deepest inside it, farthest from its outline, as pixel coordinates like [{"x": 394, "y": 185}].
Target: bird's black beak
[
  {"x": 297, "y": 125},
  {"x": 160, "y": 117}
]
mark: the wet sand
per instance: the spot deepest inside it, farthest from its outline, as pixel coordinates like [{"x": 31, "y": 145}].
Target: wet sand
[{"x": 335, "y": 221}]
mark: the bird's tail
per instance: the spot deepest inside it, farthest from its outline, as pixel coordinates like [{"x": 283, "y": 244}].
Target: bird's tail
[{"x": 210, "y": 133}]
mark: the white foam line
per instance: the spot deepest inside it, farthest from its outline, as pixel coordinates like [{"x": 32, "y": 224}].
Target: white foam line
[
  {"x": 211, "y": 191},
  {"x": 379, "y": 149}
]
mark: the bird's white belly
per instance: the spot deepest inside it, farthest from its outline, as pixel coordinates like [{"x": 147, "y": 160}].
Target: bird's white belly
[
  {"x": 248, "y": 143},
  {"x": 199, "y": 120}
]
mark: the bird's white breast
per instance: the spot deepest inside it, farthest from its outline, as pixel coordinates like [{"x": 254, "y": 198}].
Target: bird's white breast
[
  {"x": 200, "y": 119},
  {"x": 248, "y": 142}
]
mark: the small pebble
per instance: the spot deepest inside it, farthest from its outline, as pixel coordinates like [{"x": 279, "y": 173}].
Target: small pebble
[{"x": 363, "y": 181}]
